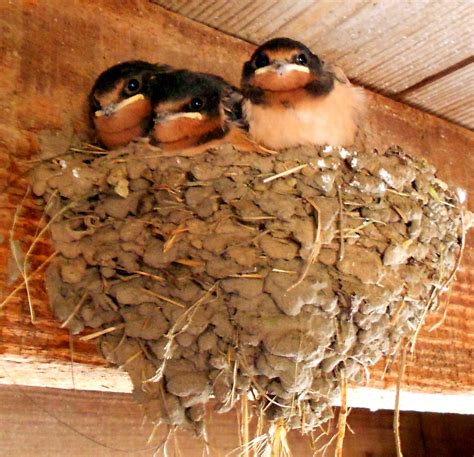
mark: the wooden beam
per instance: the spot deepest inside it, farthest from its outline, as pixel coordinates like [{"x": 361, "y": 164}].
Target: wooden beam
[
  {"x": 52, "y": 54},
  {"x": 93, "y": 423},
  {"x": 34, "y": 372}
]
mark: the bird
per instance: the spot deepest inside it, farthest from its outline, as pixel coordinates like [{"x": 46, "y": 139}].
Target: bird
[
  {"x": 196, "y": 111},
  {"x": 120, "y": 101},
  {"x": 294, "y": 98}
]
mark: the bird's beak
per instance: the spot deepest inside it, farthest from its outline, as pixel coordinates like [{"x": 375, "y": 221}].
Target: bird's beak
[
  {"x": 114, "y": 107},
  {"x": 281, "y": 68},
  {"x": 166, "y": 117}
]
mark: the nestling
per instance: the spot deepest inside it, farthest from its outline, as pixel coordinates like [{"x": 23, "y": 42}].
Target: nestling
[
  {"x": 196, "y": 111},
  {"x": 294, "y": 98},
  {"x": 120, "y": 102}
]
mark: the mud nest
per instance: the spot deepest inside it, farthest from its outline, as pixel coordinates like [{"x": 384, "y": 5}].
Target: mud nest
[{"x": 233, "y": 274}]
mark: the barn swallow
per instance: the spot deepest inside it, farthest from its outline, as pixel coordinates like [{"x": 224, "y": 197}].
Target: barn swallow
[
  {"x": 120, "y": 101},
  {"x": 294, "y": 98},
  {"x": 197, "y": 111}
]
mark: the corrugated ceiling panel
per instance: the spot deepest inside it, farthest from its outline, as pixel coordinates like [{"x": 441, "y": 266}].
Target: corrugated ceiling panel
[
  {"x": 451, "y": 97},
  {"x": 387, "y": 45}
]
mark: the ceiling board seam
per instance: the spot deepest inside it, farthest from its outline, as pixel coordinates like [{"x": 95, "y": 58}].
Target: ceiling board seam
[
  {"x": 340, "y": 20},
  {"x": 217, "y": 11},
  {"x": 288, "y": 21},
  {"x": 435, "y": 77},
  {"x": 203, "y": 9},
  {"x": 274, "y": 20},
  {"x": 369, "y": 69},
  {"x": 402, "y": 23},
  {"x": 223, "y": 19},
  {"x": 440, "y": 95},
  {"x": 252, "y": 19},
  {"x": 243, "y": 12},
  {"x": 188, "y": 8},
  {"x": 464, "y": 124},
  {"x": 366, "y": 71}
]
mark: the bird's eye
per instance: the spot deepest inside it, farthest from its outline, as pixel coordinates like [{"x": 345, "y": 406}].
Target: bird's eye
[
  {"x": 262, "y": 60},
  {"x": 133, "y": 86},
  {"x": 196, "y": 104},
  {"x": 301, "y": 59}
]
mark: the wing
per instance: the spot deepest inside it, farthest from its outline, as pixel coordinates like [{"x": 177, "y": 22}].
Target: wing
[
  {"x": 336, "y": 72},
  {"x": 232, "y": 109},
  {"x": 236, "y": 123}
]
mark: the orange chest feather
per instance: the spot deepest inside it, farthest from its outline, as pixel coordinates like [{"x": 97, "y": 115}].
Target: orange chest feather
[
  {"x": 123, "y": 126},
  {"x": 128, "y": 117},
  {"x": 184, "y": 128}
]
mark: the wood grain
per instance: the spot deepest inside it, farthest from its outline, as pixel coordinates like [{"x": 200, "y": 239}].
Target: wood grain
[
  {"x": 441, "y": 97},
  {"x": 387, "y": 46},
  {"x": 45, "y": 422},
  {"x": 50, "y": 57}
]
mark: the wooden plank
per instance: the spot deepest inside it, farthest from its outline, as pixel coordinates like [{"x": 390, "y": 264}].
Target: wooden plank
[
  {"x": 450, "y": 97},
  {"x": 447, "y": 435},
  {"x": 386, "y": 45},
  {"x": 51, "y": 57},
  {"x": 34, "y": 372},
  {"x": 92, "y": 423}
]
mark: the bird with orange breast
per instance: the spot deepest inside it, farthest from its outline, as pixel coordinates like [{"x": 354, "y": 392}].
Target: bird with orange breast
[
  {"x": 120, "y": 106},
  {"x": 294, "y": 98},
  {"x": 197, "y": 111}
]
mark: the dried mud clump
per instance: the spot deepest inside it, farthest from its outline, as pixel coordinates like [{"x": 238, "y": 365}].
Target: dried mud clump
[{"x": 231, "y": 274}]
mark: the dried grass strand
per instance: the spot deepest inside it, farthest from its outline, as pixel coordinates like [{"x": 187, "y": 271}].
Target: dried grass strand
[
  {"x": 23, "y": 266},
  {"x": 21, "y": 263},
  {"x": 315, "y": 249},
  {"x": 341, "y": 223},
  {"x": 71, "y": 353},
  {"x": 440, "y": 322},
  {"x": 102, "y": 332},
  {"x": 143, "y": 273},
  {"x": 163, "y": 297},
  {"x": 243, "y": 363},
  {"x": 29, "y": 277},
  {"x": 180, "y": 326},
  {"x": 396, "y": 414},
  {"x": 76, "y": 309},
  {"x": 285, "y": 173},
  {"x": 440, "y": 288},
  {"x": 279, "y": 446},
  {"x": 342, "y": 419}
]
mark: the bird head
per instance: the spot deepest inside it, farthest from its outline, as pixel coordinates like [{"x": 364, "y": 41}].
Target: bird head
[
  {"x": 188, "y": 110},
  {"x": 120, "y": 101},
  {"x": 281, "y": 64}
]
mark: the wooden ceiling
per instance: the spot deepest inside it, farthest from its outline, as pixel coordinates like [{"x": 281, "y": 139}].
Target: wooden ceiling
[{"x": 418, "y": 51}]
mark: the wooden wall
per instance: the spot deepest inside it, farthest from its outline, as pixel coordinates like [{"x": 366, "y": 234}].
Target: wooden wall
[{"x": 52, "y": 422}]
